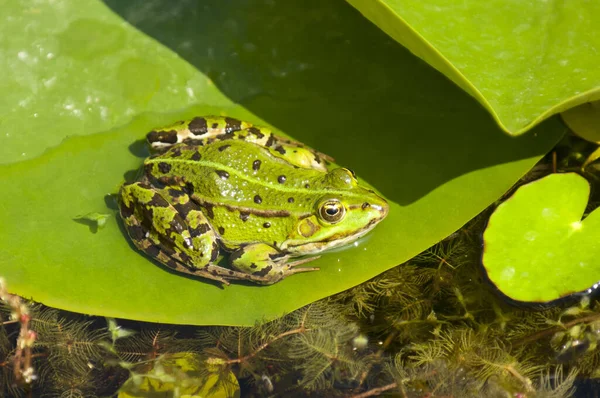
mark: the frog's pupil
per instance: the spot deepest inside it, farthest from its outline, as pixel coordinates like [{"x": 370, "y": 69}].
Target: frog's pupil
[{"x": 331, "y": 211}]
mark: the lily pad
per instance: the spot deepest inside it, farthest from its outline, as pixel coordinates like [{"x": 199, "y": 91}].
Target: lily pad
[
  {"x": 358, "y": 96},
  {"x": 522, "y": 60},
  {"x": 537, "y": 248}
]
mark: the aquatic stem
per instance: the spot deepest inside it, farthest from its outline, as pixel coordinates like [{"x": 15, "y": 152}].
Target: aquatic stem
[
  {"x": 298, "y": 330},
  {"x": 376, "y": 391}
]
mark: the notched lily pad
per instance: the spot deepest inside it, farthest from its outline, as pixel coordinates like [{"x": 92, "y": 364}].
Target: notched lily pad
[{"x": 536, "y": 246}]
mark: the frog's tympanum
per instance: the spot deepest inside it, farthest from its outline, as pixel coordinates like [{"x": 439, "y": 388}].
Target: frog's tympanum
[{"x": 219, "y": 184}]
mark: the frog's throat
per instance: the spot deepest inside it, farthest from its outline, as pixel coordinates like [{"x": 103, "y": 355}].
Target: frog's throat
[{"x": 318, "y": 247}]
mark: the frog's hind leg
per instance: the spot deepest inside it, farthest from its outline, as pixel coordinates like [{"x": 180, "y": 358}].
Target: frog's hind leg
[
  {"x": 174, "y": 231},
  {"x": 262, "y": 263}
]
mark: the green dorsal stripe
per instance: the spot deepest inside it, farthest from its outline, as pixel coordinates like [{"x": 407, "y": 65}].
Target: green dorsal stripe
[{"x": 236, "y": 172}]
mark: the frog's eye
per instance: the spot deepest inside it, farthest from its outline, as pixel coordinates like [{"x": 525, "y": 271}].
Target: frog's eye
[{"x": 332, "y": 211}]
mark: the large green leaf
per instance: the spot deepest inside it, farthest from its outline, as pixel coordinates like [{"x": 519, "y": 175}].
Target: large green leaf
[
  {"x": 71, "y": 68},
  {"x": 523, "y": 60},
  {"x": 318, "y": 71}
]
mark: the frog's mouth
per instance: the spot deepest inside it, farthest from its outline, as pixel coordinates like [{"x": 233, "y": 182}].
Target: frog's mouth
[{"x": 333, "y": 241}]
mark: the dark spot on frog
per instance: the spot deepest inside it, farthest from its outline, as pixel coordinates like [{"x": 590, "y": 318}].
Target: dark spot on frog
[
  {"x": 256, "y": 132},
  {"x": 263, "y": 271},
  {"x": 171, "y": 264},
  {"x": 256, "y": 165},
  {"x": 126, "y": 212},
  {"x": 208, "y": 208},
  {"x": 223, "y": 147},
  {"x": 275, "y": 256},
  {"x": 136, "y": 232},
  {"x": 221, "y": 230},
  {"x": 307, "y": 186},
  {"x": 215, "y": 251},
  {"x": 244, "y": 216},
  {"x": 281, "y": 179},
  {"x": 230, "y": 272},
  {"x": 215, "y": 125},
  {"x": 235, "y": 255},
  {"x": 253, "y": 266},
  {"x": 257, "y": 199},
  {"x": 189, "y": 188},
  {"x": 270, "y": 141},
  {"x": 175, "y": 152},
  {"x": 280, "y": 149},
  {"x": 267, "y": 225},
  {"x": 223, "y": 174},
  {"x": 148, "y": 168},
  {"x": 152, "y": 250},
  {"x": 365, "y": 205},
  {"x": 193, "y": 142},
  {"x": 176, "y": 192},
  {"x": 158, "y": 201},
  {"x": 241, "y": 137},
  {"x": 196, "y": 156},
  {"x": 164, "y": 167},
  {"x": 223, "y": 137},
  {"x": 232, "y": 125},
  {"x": 199, "y": 230},
  {"x": 290, "y": 200},
  {"x": 184, "y": 208},
  {"x": 185, "y": 258},
  {"x": 167, "y": 137},
  {"x": 198, "y": 126}
]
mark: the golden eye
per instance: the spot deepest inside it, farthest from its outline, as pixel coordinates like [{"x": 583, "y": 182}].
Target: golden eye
[{"x": 332, "y": 211}]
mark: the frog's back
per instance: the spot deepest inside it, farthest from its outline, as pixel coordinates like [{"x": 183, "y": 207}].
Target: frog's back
[{"x": 242, "y": 188}]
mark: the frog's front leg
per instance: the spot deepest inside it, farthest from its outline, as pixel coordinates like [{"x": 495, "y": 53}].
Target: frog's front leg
[{"x": 265, "y": 264}]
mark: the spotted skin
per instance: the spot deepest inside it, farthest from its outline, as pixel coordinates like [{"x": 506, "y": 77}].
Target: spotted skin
[
  {"x": 188, "y": 245},
  {"x": 224, "y": 186},
  {"x": 208, "y": 129}
]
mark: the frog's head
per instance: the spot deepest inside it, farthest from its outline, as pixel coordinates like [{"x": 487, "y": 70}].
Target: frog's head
[{"x": 344, "y": 212}]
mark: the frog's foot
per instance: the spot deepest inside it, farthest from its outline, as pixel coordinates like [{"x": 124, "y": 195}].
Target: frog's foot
[
  {"x": 266, "y": 265},
  {"x": 204, "y": 272}
]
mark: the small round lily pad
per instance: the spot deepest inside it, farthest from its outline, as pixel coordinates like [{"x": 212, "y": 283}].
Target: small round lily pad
[{"x": 536, "y": 246}]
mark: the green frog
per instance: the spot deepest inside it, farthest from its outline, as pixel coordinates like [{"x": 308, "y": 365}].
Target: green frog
[{"x": 219, "y": 184}]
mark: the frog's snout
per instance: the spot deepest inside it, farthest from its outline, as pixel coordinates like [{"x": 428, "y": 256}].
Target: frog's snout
[{"x": 379, "y": 208}]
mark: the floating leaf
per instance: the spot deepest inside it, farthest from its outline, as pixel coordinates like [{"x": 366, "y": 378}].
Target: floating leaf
[
  {"x": 94, "y": 220},
  {"x": 357, "y": 96},
  {"x": 537, "y": 248},
  {"x": 523, "y": 60}
]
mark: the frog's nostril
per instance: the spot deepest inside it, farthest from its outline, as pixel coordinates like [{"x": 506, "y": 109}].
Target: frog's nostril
[{"x": 365, "y": 205}]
